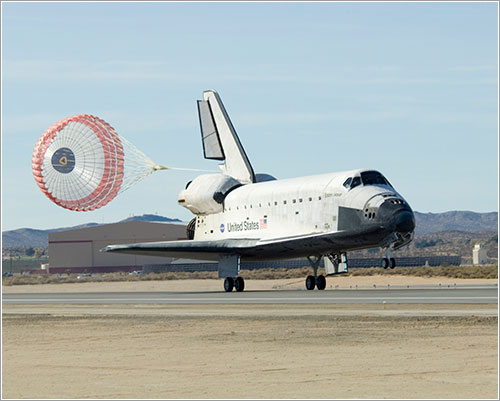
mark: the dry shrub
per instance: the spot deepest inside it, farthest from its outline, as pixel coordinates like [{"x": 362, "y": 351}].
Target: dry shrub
[
  {"x": 486, "y": 271},
  {"x": 478, "y": 272}
]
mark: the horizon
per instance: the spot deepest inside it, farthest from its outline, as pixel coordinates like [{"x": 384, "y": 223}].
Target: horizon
[
  {"x": 187, "y": 221},
  {"x": 408, "y": 89}
]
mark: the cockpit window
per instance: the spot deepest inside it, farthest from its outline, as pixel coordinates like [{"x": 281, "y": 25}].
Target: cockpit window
[
  {"x": 347, "y": 182},
  {"x": 355, "y": 182},
  {"x": 374, "y": 178}
]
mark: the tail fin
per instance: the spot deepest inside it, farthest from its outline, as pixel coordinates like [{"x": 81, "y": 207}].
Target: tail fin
[{"x": 220, "y": 141}]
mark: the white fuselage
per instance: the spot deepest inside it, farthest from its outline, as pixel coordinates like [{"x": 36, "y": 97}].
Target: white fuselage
[
  {"x": 241, "y": 215},
  {"x": 288, "y": 207}
]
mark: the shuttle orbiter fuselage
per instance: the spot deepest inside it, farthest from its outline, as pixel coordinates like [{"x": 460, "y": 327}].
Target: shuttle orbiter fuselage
[{"x": 243, "y": 215}]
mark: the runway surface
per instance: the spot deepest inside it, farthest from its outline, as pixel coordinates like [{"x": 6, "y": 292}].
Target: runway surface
[{"x": 434, "y": 295}]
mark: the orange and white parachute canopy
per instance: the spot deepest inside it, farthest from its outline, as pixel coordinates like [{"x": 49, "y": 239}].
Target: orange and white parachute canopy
[{"x": 81, "y": 163}]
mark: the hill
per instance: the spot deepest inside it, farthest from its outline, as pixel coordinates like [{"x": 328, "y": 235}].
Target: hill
[
  {"x": 24, "y": 237},
  {"x": 443, "y": 243},
  {"x": 456, "y": 221},
  {"x": 28, "y": 237},
  {"x": 152, "y": 217}
]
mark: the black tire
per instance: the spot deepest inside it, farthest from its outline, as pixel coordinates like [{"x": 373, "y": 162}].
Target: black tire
[
  {"x": 385, "y": 263},
  {"x": 239, "y": 284},
  {"x": 321, "y": 282},
  {"x": 228, "y": 284},
  {"x": 393, "y": 263},
  {"x": 310, "y": 282}
]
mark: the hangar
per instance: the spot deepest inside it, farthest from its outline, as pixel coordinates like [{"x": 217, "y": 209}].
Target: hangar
[{"x": 78, "y": 250}]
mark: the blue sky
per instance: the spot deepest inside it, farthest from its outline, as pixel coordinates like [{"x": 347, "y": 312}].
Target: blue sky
[{"x": 410, "y": 89}]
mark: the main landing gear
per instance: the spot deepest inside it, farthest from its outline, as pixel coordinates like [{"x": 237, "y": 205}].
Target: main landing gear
[
  {"x": 319, "y": 282},
  {"x": 237, "y": 283},
  {"x": 315, "y": 281},
  {"x": 388, "y": 261},
  {"x": 229, "y": 268}
]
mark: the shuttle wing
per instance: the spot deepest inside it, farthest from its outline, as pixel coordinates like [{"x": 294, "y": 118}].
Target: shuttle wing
[
  {"x": 192, "y": 249},
  {"x": 289, "y": 247}
]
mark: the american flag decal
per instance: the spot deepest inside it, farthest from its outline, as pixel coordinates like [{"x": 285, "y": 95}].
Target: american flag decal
[{"x": 263, "y": 223}]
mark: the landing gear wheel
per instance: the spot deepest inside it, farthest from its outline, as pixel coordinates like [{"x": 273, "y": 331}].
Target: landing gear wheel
[
  {"x": 310, "y": 282},
  {"x": 228, "y": 284},
  {"x": 393, "y": 263},
  {"x": 321, "y": 282},
  {"x": 239, "y": 284},
  {"x": 385, "y": 263}
]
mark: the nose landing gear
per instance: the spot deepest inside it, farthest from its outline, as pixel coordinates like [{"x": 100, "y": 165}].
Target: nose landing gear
[{"x": 388, "y": 261}]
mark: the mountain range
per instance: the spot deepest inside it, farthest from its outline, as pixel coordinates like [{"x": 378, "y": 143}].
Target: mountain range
[
  {"x": 29, "y": 237},
  {"x": 426, "y": 223},
  {"x": 456, "y": 221}
]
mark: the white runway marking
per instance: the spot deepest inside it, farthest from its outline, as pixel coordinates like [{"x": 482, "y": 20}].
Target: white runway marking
[
  {"x": 401, "y": 296},
  {"x": 225, "y": 300}
]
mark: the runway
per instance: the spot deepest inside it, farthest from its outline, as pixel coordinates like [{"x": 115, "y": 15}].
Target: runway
[
  {"x": 136, "y": 339},
  {"x": 435, "y": 295}
]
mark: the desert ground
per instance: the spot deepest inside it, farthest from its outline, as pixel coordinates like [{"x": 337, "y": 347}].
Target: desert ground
[
  {"x": 248, "y": 351},
  {"x": 250, "y": 285}
]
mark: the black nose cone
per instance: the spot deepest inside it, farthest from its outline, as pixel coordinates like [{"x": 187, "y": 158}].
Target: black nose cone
[
  {"x": 404, "y": 221},
  {"x": 397, "y": 215}
]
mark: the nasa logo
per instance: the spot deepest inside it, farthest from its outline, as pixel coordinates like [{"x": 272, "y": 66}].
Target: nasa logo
[{"x": 222, "y": 228}]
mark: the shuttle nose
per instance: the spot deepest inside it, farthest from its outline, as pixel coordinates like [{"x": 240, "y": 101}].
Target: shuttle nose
[
  {"x": 404, "y": 221},
  {"x": 397, "y": 215}
]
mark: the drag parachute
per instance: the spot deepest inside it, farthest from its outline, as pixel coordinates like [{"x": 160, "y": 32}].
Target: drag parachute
[{"x": 81, "y": 163}]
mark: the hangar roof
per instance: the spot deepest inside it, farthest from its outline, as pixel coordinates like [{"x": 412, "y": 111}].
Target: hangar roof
[{"x": 139, "y": 230}]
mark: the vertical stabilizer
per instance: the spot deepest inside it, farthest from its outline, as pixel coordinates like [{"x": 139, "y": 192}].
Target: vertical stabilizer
[{"x": 220, "y": 141}]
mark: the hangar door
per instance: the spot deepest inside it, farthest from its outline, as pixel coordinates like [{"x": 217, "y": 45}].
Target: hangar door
[{"x": 70, "y": 254}]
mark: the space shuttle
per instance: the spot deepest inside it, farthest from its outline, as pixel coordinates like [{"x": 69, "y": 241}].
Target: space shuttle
[{"x": 241, "y": 215}]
